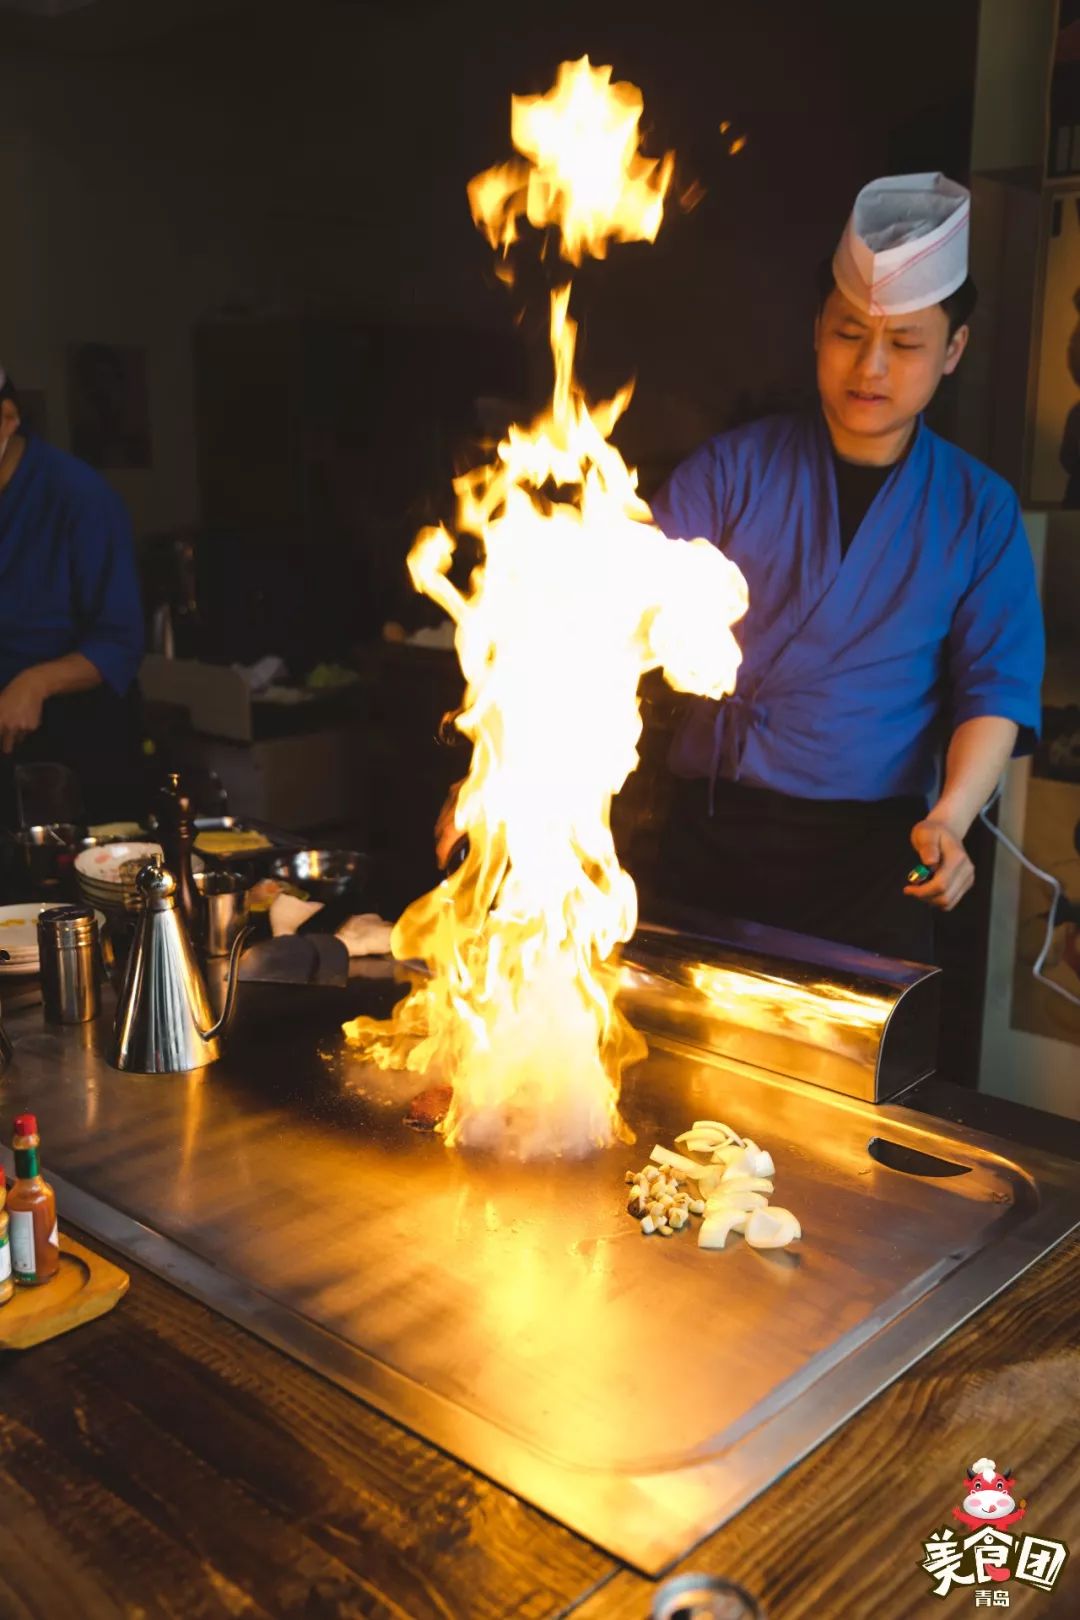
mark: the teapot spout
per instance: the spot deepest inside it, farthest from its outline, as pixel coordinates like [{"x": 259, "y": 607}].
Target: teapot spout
[{"x": 232, "y": 985}]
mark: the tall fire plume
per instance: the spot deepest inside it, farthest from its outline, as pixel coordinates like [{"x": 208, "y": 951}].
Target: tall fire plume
[{"x": 576, "y": 597}]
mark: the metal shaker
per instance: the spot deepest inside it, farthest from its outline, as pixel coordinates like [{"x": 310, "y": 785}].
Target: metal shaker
[
  {"x": 70, "y": 959},
  {"x": 703, "y": 1597}
]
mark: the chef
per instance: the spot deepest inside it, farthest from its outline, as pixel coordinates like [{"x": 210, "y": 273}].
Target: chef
[
  {"x": 893, "y": 647},
  {"x": 71, "y": 622}
]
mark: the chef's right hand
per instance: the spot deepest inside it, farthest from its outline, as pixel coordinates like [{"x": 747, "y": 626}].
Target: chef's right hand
[
  {"x": 942, "y": 850},
  {"x": 447, "y": 834}
]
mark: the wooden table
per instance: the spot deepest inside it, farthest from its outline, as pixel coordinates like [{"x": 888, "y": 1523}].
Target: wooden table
[{"x": 162, "y": 1462}]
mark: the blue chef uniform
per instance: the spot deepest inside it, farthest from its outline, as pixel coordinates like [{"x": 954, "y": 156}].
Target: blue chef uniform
[
  {"x": 68, "y": 583},
  {"x": 857, "y": 664},
  {"x": 67, "y": 570}
]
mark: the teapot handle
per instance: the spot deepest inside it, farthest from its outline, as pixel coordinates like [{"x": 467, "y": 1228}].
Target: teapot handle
[{"x": 232, "y": 984}]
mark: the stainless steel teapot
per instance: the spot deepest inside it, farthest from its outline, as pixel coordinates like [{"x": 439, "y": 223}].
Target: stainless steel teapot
[{"x": 164, "y": 1020}]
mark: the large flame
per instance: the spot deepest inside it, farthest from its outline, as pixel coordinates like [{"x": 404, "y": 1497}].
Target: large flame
[
  {"x": 582, "y": 171},
  {"x": 578, "y": 595}
]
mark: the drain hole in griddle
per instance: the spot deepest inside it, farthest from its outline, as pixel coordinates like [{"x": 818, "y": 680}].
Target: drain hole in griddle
[{"x": 911, "y": 1161}]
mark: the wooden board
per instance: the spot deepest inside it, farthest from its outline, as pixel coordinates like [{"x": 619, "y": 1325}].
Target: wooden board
[{"x": 85, "y": 1286}]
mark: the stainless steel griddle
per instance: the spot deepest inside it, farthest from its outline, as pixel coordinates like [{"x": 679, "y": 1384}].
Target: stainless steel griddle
[{"x": 639, "y": 1390}]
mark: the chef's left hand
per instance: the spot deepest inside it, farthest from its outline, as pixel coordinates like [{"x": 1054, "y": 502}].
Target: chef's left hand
[
  {"x": 939, "y": 848},
  {"x": 21, "y": 702}
]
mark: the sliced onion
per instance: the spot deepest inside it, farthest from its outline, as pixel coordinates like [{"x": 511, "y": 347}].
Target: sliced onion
[
  {"x": 755, "y": 1156},
  {"x": 729, "y": 1153},
  {"x": 724, "y": 1132},
  {"x": 725, "y": 1198},
  {"x": 715, "y": 1230},
  {"x": 735, "y": 1183},
  {"x": 676, "y": 1161},
  {"x": 738, "y": 1160},
  {"x": 749, "y": 1160},
  {"x": 698, "y": 1144},
  {"x": 772, "y": 1228}
]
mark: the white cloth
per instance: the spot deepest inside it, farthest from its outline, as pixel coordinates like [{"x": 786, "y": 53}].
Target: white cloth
[
  {"x": 287, "y": 913},
  {"x": 905, "y": 246},
  {"x": 258, "y": 676},
  {"x": 366, "y": 935}
]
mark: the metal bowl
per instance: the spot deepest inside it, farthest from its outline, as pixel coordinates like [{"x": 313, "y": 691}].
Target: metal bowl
[{"x": 322, "y": 873}]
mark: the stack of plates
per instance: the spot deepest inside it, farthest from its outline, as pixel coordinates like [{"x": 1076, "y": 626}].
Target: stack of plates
[
  {"x": 18, "y": 935},
  {"x": 106, "y": 875}
]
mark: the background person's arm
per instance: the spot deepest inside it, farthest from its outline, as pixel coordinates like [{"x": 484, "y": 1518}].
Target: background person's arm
[{"x": 26, "y": 694}]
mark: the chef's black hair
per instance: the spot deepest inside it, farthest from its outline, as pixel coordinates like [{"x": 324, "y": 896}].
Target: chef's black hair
[{"x": 959, "y": 306}]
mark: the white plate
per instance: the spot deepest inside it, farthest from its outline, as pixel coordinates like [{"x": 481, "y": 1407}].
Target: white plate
[
  {"x": 114, "y": 898},
  {"x": 99, "y": 870},
  {"x": 19, "y": 919},
  {"x": 18, "y": 927},
  {"x": 102, "y": 864}
]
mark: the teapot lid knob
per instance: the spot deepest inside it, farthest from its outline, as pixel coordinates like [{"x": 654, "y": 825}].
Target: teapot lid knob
[{"x": 155, "y": 881}]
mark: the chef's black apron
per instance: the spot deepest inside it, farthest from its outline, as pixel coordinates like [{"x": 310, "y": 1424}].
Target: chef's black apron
[
  {"x": 832, "y": 868},
  {"x": 96, "y": 734}
]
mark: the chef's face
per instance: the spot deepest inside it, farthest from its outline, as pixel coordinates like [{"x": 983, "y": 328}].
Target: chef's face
[{"x": 876, "y": 373}]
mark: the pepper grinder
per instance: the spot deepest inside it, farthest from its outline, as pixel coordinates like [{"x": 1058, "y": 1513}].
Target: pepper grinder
[{"x": 176, "y": 828}]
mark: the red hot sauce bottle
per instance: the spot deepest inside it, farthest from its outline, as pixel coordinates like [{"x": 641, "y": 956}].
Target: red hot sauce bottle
[{"x": 35, "y": 1240}]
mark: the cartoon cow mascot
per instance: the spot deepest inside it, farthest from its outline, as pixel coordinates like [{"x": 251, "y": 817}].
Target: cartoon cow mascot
[{"x": 989, "y": 1498}]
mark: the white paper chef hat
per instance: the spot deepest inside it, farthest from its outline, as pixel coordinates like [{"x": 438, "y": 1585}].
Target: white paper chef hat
[{"x": 905, "y": 246}]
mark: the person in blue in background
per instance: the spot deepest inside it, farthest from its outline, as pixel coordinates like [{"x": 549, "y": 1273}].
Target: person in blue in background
[
  {"x": 893, "y": 647},
  {"x": 71, "y": 622}
]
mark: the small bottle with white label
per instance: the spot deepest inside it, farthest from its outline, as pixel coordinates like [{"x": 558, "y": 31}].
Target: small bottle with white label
[
  {"x": 7, "y": 1281},
  {"x": 35, "y": 1240}
]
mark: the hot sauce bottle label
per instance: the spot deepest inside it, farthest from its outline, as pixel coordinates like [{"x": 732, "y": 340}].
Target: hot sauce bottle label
[
  {"x": 23, "y": 1257},
  {"x": 5, "y": 1258}
]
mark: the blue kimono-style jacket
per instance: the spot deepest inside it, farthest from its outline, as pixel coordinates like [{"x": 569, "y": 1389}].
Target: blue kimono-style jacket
[
  {"x": 68, "y": 581},
  {"x": 856, "y": 668}
]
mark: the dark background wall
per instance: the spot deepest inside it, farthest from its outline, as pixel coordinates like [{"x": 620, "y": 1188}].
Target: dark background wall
[{"x": 167, "y": 164}]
